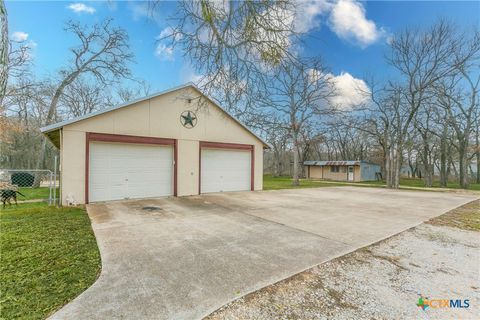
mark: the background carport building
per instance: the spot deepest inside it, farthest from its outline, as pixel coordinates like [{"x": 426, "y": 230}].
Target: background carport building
[{"x": 178, "y": 142}]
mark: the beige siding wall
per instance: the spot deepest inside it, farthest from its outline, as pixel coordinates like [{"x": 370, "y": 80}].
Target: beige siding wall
[
  {"x": 338, "y": 176},
  {"x": 357, "y": 174},
  {"x": 315, "y": 172},
  {"x": 73, "y": 165},
  {"x": 188, "y": 167},
  {"x": 157, "y": 117}
]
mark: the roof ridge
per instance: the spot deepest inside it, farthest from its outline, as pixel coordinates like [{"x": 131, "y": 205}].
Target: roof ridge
[{"x": 58, "y": 125}]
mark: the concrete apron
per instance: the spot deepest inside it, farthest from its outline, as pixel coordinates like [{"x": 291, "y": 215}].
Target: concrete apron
[{"x": 183, "y": 258}]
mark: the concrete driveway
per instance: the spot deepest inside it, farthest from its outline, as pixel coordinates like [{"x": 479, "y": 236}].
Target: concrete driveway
[{"x": 182, "y": 258}]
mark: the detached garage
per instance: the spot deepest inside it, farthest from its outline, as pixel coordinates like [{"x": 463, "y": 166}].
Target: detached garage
[{"x": 174, "y": 143}]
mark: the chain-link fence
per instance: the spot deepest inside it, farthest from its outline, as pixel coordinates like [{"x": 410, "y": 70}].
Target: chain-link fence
[{"x": 29, "y": 185}]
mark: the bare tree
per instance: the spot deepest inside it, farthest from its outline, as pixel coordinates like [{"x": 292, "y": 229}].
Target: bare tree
[
  {"x": 127, "y": 94},
  {"x": 458, "y": 96},
  {"x": 17, "y": 95},
  {"x": 461, "y": 105},
  {"x": 427, "y": 151},
  {"x": 277, "y": 136},
  {"x": 236, "y": 41},
  {"x": 16, "y": 69},
  {"x": 477, "y": 143},
  {"x": 25, "y": 108},
  {"x": 298, "y": 93},
  {"x": 444, "y": 135},
  {"x": 347, "y": 141},
  {"x": 83, "y": 96},
  {"x": 103, "y": 54},
  {"x": 422, "y": 59},
  {"x": 97, "y": 65},
  {"x": 377, "y": 118}
]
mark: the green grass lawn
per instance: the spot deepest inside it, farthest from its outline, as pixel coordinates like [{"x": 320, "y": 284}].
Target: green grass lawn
[
  {"x": 415, "y": 182},
  {"x": 48, "y": 257},
  {"x": 34, "y": 193},
  {"x": 283, "y": 182}
]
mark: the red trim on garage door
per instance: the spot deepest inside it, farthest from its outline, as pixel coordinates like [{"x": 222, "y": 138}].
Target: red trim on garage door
[
  {"x": 223, "y": 145},
  {"x": 120, "y": 138}
]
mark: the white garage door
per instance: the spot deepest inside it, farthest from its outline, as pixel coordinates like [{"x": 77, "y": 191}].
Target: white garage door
[
  {"x": 129, "y": 171},
  {"x": 225, "y": 170}
]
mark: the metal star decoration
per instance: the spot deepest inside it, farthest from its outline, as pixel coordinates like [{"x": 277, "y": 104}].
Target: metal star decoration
[{"x": 188, "y": 119}]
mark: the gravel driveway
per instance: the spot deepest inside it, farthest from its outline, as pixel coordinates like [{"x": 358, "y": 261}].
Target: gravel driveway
[{"x": 183, "y": 258}]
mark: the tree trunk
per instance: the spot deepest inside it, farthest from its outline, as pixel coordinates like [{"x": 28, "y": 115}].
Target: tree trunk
[
  {"x": 3, "y": 50},
  {"x": 296, "y": 150},
  {"x": 478, "y": 165},
  {"x": 40, "y": 163},
  {"x": 428, "y": 177},
  {"x": 396, "y": 173},
  {"x": 463, "y": 175},
  {"x": 383, "y": 168},
  {"x": 388, "y": 180},
  {"x": 52, "y": 110},
  {"x": 393, "y": 163},
  {"x": 477, "y": 142},
  {"x": 413, "y": 168},
  {"x": 443, "y": 162},
  {"x": 454, "y": 167},
  {"x": 276, "y": 164}
]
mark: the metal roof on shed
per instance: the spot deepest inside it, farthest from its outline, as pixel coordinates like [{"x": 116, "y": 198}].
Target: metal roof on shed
[{"x": 334, "y": 163}]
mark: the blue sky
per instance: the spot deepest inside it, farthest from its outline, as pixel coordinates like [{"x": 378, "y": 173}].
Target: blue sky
[{"x": 351, "y": 36}]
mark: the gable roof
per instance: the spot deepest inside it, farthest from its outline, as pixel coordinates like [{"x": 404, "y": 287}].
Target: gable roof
[{"x": 56, "y": 126}]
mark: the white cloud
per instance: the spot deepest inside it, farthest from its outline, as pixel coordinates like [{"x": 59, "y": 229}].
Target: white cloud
[
  {"x": 309, "y": 13},
  {"x": 81, "y": 8},
  {"x": 349, "y": 91},
  {"x": 164, "y": 52},
  {"x": 32, "y": 44},
  {"x": 19, "y": 36},
  {"x": 348, "y": 20},
  {"x": 167, "y": 32}
]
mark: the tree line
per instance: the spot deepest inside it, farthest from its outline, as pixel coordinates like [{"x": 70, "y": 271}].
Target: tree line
[{"x": 422, "y": 118}]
